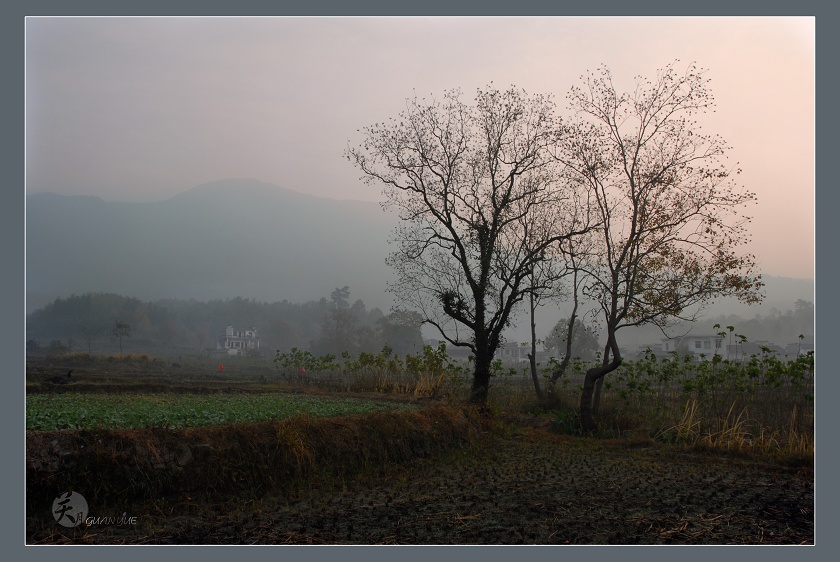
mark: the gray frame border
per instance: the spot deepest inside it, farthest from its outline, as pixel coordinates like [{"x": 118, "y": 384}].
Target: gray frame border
[{"x": 13, "y": 289}]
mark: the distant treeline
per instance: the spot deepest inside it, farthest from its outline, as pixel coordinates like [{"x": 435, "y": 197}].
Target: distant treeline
[
  {"x": 86, "y": 323},
  {"x": 773, "y": 325}
]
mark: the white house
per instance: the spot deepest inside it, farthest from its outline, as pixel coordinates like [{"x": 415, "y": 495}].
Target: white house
[
  {"x": 513, "y": 352},
  {"x": 238, "y": 340},
  {"x": 694, "y": 344}
]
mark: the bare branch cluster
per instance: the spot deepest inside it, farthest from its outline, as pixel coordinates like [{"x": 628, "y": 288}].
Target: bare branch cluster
[{"x": 501, "y": 199}]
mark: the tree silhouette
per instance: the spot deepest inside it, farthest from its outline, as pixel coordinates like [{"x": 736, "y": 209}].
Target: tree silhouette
[
  {"x": 667, "y": 207},
  {"x": 481, "y": 204},
  {"x": 121, "y": 330}
]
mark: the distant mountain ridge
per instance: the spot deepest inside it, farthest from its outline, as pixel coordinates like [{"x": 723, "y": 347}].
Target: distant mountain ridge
[
  {"x": 218, "y": 240},
  {"x": 241, "y": 238}
]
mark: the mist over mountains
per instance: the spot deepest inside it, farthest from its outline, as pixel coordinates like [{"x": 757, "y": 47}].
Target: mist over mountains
[
  {"x": 218, "y": 240},
  {"x": 245, "y": 238}
]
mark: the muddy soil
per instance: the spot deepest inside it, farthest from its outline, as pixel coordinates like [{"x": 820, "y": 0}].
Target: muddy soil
[{"x": 520, "y": 486}]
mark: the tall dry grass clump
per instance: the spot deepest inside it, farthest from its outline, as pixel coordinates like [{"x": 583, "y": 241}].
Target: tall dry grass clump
[{"x": 737, "y": 432}]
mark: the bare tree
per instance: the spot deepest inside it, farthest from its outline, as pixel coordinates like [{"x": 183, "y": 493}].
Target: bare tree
[
  {"x": 667, "y": 204},
  {"x": 574, "y": 252},
  {"x": 121, "y": 330},
  {"x": 472, "y": 184},
  {"x": 89, "y": 334},
  {"x": 547, "y": 284}
]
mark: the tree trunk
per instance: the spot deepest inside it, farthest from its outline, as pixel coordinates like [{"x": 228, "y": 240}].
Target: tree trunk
[
  {"x": 481, "y": 383},
  {"x": 567, "y": 358},
  {"x": 596, "y": 400},
  {"x": 481, "y": 374},
  {"x": 535, "y": 377},
  {"x": 587, "y": 420},
  {"x": 532, "y": 357},
  {"x": 593, "y": 376}
]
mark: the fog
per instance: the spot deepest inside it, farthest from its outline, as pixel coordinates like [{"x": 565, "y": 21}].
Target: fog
[
  {"x": 256, "y": 241},
  {"x": 142, "y": 109},
  {"x": 143, "y": 129}
]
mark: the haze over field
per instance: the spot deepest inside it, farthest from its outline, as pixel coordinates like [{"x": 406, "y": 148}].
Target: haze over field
[{"x": 135, "y": 124}]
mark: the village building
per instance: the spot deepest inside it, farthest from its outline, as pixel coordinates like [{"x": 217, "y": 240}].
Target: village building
[
  {"x": 697, "y": 345},
  {"x": 513, "y": 352},
  {"x": 705, "y": 347},
  {"x": 238, "y": 341},
  {"x": 799, "y": 348},
  {"x": 759, "y": 348}
]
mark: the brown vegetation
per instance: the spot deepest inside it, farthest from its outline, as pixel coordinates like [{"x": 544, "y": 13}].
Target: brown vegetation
[{"x": 443, "y": 474}]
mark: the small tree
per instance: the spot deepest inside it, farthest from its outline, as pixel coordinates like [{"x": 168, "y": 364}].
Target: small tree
[
  {"x": 401, "y": 331},
  {"x": 584, "y": 343},
  {"x": 667, "y": 205},
  {"x": 546, "y": 284},
  {"x": 89, "y": 334},
  {"x": 121, "y": 330},
  {"x": 339, "y": 329},
  {"x": 57, "y": 348}
]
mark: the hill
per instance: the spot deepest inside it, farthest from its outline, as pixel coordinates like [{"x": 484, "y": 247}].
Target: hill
[
  {"x": 245, "y": 238},
  {"x": 218, "y": 240}
]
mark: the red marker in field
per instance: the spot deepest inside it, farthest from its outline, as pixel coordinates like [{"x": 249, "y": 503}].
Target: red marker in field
[{"x": 221, "y": 367}]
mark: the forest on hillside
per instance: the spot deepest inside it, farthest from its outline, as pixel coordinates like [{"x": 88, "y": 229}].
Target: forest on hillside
[{"x": 86, "y": 323}]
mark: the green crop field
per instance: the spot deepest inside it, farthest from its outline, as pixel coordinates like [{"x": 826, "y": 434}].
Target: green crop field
[{"x": 47, "y": 412}]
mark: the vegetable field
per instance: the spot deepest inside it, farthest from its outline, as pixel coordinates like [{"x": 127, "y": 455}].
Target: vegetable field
[{"x": 46, "y": 412}]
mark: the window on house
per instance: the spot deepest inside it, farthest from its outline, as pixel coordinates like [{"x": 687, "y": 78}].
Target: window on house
[
  {"x": 698, "y": 344},
  {"x": 707, "y": 344},
  {"x": 718, "y": 342}
]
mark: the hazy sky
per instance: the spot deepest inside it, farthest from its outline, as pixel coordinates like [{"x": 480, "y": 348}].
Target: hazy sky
[{"x": 140, "y": 109}]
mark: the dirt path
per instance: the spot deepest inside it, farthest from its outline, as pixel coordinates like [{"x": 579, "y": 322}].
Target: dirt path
[{"x": 528, "y": 487}]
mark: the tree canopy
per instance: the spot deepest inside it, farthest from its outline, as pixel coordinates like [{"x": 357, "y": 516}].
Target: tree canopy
[
  {"x": 584, "y": 340},
  {"x": 482, "y": 205},
  {"x": 630, "y": 193},
  {"x": 670, "y": 230}
]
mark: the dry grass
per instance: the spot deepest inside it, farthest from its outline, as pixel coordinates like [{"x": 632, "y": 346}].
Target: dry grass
[
  {"x": 112, "y": 466},
  {"x": 429, "y": 386},
  {"x": 736, "y": 432}
]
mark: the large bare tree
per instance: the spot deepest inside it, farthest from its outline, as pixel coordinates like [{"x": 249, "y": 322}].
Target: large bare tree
[
  {"x": 481, "y": 203},
  {"x": 670, "y": 235}
]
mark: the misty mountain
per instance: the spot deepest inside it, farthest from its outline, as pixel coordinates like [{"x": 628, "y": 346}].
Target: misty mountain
[
  {"x": 245, "y": 238},
  {"x": 218, "y": 240}
]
